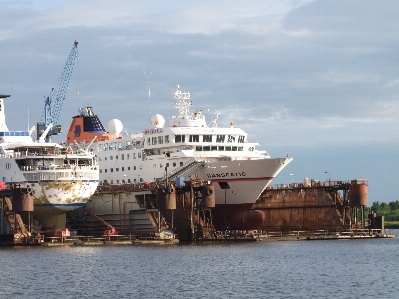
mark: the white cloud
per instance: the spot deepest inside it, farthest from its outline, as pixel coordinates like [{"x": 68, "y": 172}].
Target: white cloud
[
  {"x": 338, "y": 76},
  {"x": 393, "y": 83}
]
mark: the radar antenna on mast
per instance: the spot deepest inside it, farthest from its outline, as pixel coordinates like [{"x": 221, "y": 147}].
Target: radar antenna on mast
[{"x": 149, "y": 90}]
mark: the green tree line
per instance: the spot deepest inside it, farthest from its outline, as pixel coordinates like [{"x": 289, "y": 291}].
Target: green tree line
[{"x": 389, "y": 210}]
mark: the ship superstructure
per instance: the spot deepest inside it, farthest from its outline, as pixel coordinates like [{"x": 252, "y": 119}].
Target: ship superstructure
[{"x": 184, "y": 148}]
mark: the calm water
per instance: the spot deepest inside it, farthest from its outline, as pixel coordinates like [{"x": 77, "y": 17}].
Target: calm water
[{"x": 294, "y": 269}]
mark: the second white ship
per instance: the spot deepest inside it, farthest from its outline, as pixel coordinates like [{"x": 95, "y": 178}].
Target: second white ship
[{"x": 186, "y": 147}]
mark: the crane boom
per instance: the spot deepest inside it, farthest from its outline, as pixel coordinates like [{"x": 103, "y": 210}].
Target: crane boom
[
  {"x": 53, "y": 103},
  {"x": 108, "y": 232}
]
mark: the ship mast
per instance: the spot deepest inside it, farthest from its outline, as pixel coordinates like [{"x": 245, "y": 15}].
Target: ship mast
[
  {"x": 149, "y": 90},
  {"x": 183, "y": 103}
]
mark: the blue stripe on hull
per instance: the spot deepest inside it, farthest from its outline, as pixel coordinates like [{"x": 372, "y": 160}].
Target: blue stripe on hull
[
  {"x": 71, "y": 205},
  {"x": 49, "y": 181}
]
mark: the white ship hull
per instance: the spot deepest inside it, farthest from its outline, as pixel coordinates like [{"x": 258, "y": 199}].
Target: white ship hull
[
  {"x": 56, "y": 187},
  {"x": 246, "y": 179}
]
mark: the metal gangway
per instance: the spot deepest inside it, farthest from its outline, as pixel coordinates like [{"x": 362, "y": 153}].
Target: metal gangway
[{"x": 186, "y": 170}]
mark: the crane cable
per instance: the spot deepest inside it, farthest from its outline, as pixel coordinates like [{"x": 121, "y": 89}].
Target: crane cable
[{"x": 77, "y": 74}]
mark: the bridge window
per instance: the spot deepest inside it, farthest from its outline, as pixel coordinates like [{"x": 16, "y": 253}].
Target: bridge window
[
  {"x": 241, "y": 139},
  {"x": 220, "y": 138},
  {"x": 180, "y": 138},
  {"x": 231, "y": 139},
  {"x": 207, "y": 138},
  {"x": 166, "y": 138},
  {"x": 198, "y": 148},
  {"x": 154, "y": 140},
  {"x": 160, "y": 139},
  {"x": 194, "y": 138}
]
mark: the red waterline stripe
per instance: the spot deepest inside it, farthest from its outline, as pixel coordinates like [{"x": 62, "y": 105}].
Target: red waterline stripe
[{"x": 243, "y": 180}]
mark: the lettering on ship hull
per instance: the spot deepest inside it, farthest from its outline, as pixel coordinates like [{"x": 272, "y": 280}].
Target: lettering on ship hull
[{"x": 226, "y": 174}]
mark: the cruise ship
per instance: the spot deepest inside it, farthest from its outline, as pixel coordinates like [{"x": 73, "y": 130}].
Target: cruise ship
[
  {"x": 187, "y": 147},
  {"x": 60, "y": 178}
]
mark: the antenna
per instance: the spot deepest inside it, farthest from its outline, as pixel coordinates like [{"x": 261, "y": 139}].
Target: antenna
[
  {"x": 149, "y": 90},
  {"x": 214, "y": 122}
]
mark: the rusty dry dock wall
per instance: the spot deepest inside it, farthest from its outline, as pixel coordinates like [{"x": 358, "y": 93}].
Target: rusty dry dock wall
[{"x": 301, "y": 208}]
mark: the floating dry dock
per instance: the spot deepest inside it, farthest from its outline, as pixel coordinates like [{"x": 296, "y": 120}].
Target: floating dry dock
[
  {"x": 167, "y": 213},
  {"x": 310, "y": 210},
  {"x": 313, "y": 206}
]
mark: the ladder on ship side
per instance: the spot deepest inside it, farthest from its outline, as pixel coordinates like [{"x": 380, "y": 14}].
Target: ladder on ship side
[
  {"x": 186, "y": 170},
  {"x": 336, "y": 198}
]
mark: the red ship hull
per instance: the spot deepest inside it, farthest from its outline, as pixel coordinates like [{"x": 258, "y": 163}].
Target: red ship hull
[{"x": 237, "y": 217}]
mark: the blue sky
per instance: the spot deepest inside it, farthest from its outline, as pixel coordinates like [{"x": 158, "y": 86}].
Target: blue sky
[{"x": 316, "y": 79}]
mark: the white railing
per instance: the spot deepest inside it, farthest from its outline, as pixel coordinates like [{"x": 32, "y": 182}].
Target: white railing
[
  {"x": 58, "y": 167},
  {"x": 40, "y": 176}
]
